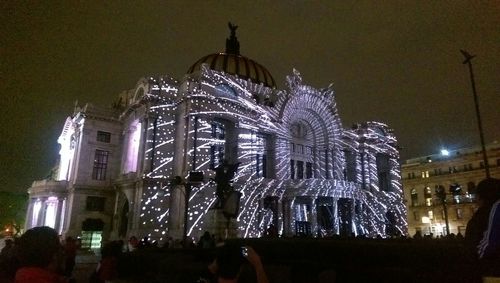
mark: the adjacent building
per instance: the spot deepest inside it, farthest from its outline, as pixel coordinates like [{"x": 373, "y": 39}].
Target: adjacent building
[
  {"x": 123, "y": 170},
  {"x": 455, "y": 174}
]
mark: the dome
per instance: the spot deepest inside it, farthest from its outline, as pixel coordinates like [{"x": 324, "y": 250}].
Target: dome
[
  {"x": 238, "y": 65},
  {"x": 233, "y": 63}
]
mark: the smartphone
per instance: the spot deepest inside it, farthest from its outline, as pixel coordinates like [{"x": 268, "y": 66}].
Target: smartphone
[{"x": 244, "y": 251}]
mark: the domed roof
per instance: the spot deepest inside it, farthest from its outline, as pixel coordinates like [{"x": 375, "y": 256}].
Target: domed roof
[
  {"x": 236, "y": 65},
  {"x": 233, "y": 63}
]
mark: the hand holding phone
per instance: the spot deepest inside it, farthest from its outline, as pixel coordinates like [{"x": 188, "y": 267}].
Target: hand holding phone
[{"x": 244, "y": 251}]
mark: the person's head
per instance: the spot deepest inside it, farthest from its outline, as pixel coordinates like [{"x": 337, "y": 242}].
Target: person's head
[
  {"x": 488, "y": 191},
  {"x": 229, "y": 261},
  {"x": 9, "y": 243},
  {"x": 40, "y": 247}
]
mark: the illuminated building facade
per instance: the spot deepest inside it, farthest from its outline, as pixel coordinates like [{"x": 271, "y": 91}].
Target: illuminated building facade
[
  {"x": 457, "y": 173},
  {"x": 299, "y": 168}
]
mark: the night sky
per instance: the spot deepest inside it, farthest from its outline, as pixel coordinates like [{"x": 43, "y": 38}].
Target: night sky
[{"x": 397, "y": 62}]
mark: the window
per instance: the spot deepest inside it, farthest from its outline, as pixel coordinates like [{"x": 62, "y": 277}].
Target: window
[
  {"x": 292, "y": 146},
  {"x": 100, "y": 164},
  {"x": 425, "y": 174},
  {"x": 300, "y": 149},
  {"x": 309, "y": 150},
  {"x": 261, "y": 165},
  {"x": 95, "y": 203},
  {"x": 430, "y": 213},
  {"x": 428, "y": 196},
  {"x": 217, "y": 148},
  {"x": 216, "y": 155},
  {"x": 292, "y": 169},
  {"x": 416, "y": 216},
  {"x": 103, "y": 136},
  {"x": 300, "y": 169},
  {"x": 414, "y": 197},
  {"x": 218, "y": 131},
  {"x": 383, "y": 172},
  {"x": 459, "y": 213},
  {"x": 350, "y": 171},
  {"x": 309, "y": 172}
]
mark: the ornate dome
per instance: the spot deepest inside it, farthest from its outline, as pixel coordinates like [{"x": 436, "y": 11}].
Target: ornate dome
[
  {"x": 233, "y": 63},
  {"x": 236, "y": 65}
]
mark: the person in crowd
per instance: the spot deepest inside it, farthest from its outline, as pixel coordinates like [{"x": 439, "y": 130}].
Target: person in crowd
[
  {"x": 489, "y": 247},
  {"x": 206, "y": 241},
  {"x": 8, "y": 262},
  {"x": 41, "y": 257},
  {"x": 70, "y": 248},
  {"x": 133, "y": 243},
  {"x": 107, "y": 270},
  {"x": 7, "y": 249},
  {"x": 488, "y": 192},
  {"x": 229, "y": 262}
]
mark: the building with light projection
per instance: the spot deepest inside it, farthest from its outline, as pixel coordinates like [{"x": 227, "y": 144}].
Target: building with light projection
[{"x": 300, "y": 169}]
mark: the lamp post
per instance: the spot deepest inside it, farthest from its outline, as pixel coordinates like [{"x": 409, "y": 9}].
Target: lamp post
[
  {"x": 441, "y": 194},
  {"x": 467, "y": 61}
]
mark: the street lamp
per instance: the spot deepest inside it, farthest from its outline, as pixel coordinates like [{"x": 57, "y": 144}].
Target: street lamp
[
  {"x": 467, "y": 61},
  {"x": 441, "y": 194}
]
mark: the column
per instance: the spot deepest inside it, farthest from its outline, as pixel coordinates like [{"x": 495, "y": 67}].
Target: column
[
  {"x": 29, "y": 215},
  {"x": 41, "y": 215},
  {"x": 57, "y": 224}
]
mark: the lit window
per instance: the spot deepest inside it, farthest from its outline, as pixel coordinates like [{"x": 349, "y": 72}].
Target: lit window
[
  {"x": 430, "y": 213},
  {"x": 428, "y": 196},
  {"x": 459, "y": 213},
  {"x": 103, "y": 136},
  {"x": 414, "y": 197},
  {"x": 100, "y": 164}
]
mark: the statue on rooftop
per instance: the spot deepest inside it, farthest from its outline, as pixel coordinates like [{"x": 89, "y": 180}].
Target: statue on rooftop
[{"x": 232, "y": 44}]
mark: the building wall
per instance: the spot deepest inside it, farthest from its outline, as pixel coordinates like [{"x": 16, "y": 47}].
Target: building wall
[
  {"x": 461, "y": 168},
  {"x": 176, "y": 137}
]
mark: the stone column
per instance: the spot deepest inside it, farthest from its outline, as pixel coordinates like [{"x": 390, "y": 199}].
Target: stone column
[
  {"x": 57, "y": 224},
  {"x": 42, "y": 213},
  {"x": 29, "y": 215}
]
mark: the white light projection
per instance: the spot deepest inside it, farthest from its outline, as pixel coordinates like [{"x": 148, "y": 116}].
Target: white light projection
[{"x": 260, "y": 130}]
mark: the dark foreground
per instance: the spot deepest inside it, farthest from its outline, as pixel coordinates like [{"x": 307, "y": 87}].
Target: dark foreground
[{"x": 317, "y": 260}]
